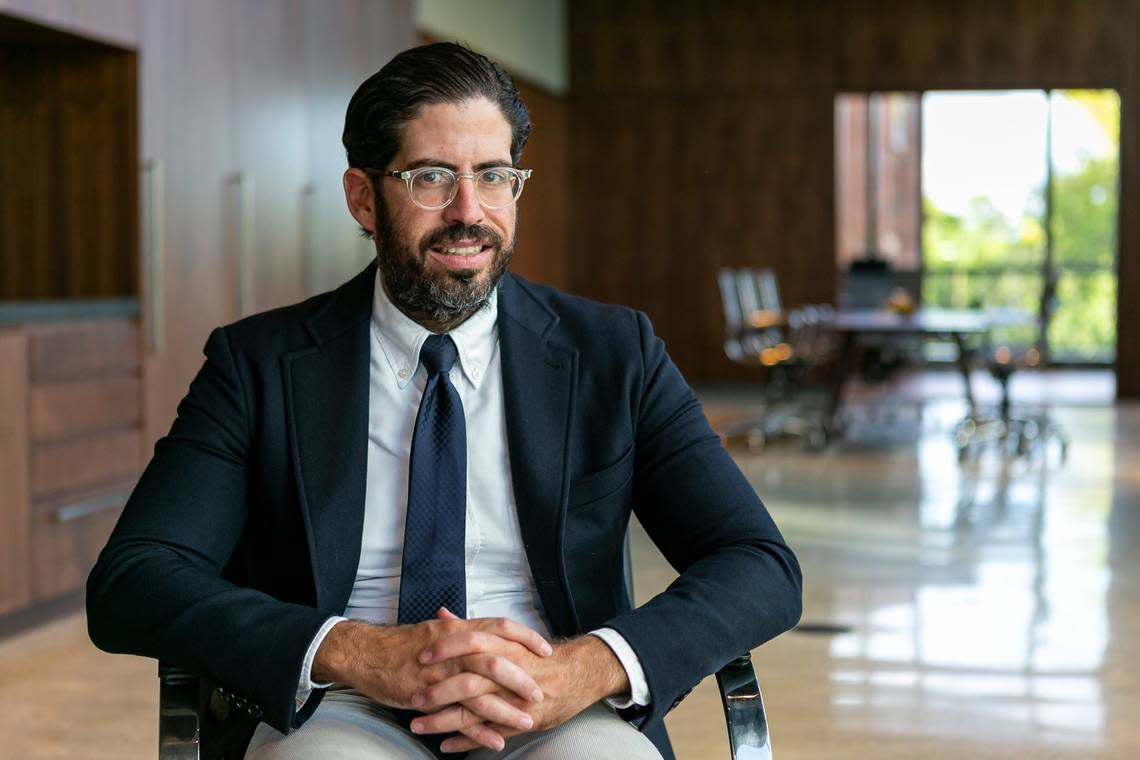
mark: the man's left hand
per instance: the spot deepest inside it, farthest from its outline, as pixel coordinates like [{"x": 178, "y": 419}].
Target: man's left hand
[{"x": 579, "y": 673}]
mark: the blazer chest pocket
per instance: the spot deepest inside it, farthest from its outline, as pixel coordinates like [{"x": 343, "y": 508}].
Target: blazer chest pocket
[{"x": 598, "y": 485}]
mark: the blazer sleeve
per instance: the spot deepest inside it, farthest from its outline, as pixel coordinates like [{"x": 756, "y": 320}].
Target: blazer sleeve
[
  {"x": 157, "y": 589},
  {"x": 739, "y": 584}
]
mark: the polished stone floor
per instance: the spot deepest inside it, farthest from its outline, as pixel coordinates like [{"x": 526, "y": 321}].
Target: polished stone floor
[{"x": 981, "y": 610}]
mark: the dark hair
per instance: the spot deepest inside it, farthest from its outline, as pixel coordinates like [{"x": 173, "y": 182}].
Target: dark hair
[{"x": 440, "y": 73}]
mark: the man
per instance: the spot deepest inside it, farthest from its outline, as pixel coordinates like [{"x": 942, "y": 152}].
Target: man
[{"x": 375, "y": 506}]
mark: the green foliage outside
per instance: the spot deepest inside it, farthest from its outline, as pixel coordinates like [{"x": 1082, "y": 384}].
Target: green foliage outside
[{"x": 981, "y": 259}]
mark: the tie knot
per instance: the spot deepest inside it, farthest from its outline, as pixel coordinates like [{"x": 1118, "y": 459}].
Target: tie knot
[{"x": 438, "y": 354}]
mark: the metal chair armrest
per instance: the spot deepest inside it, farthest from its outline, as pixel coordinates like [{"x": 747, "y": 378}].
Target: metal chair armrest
[
  {"x": 744, "y": 710},
  {"x": 179, "y": 702}
]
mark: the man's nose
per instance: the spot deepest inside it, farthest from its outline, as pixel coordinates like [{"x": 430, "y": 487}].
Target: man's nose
[{"x": 465, "y": 207}]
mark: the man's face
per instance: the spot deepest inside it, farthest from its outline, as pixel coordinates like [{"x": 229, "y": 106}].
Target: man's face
[{"x": 440, "y": 265}]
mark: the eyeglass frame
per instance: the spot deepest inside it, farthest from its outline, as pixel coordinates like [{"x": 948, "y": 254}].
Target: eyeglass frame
[{"x": 407, "y": 175}]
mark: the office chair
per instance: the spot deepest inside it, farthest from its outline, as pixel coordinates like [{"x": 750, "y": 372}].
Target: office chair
[
  {"x": 745, "y": 343},
  {"x": 790, "y": 346},
  {"x": 1019, "y": 430}
]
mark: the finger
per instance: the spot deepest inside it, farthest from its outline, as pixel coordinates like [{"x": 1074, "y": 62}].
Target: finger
[
  {"x": 462, "y": 744},
  {"x": 466, "y": 743},
  {"x": 452, "y": 690},
  {"x": 505, "y": 673},
  {"x": 494, "y": 709},
  {"x": 482, "y": 674},
  {"x": 518, "y": 633},
  {"x": 473, "y": 641},
  {"x": 446, "y": 614},
  {"x": 454, "y": 718},
  {"x": 465, "y": 642},
  {"x": 481, "y": 709},
  {"x": 481, "y": 735}
]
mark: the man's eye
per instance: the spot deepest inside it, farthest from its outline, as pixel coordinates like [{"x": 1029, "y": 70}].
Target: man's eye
[
  {"x": 494, "y": 177},
  {"x": 433, "y": 178}
]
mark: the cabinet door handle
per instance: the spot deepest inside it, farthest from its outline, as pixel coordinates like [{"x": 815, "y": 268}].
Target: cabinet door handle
[
  {"x": 89, "y": 507},
  {"x": 154, "y": 254},
  {"x": 247, "y": 264}
]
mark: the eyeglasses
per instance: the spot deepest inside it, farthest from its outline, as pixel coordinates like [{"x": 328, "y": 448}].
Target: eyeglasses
[{"x": 433, "y": 187}]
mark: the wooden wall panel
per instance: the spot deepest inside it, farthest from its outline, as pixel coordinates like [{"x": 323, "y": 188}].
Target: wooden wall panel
[
  {"x": 674, "y": 105},
  {"x": 667, "y": 195},
  {"x": 68, "y": 156},
  {"x": 1128, "y": 265},
  {"x": 267, "y": 107},
  {"x": 26, "y": 223},
  {"x": 541, "y": 252}
]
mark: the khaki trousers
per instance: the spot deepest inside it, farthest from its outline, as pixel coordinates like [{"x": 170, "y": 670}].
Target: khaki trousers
[{"x": 349, "y": 726}]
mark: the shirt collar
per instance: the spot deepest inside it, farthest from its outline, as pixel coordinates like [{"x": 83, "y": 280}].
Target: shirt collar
[{"x": 400, "y": 338}]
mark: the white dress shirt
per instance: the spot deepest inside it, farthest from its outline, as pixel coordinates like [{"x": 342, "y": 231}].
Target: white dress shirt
[{"x": 499, "y": 580}]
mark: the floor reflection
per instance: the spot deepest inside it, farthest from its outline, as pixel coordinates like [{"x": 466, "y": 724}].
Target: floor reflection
[{"x": 985, "y": 602}]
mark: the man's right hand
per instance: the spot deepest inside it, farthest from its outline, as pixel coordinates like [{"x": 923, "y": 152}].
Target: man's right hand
[{"x": 383, "y": 662}]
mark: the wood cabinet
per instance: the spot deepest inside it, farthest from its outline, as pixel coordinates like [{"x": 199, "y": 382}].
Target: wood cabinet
[
  {"x": 72, "y": 447},
  {"x": 14, "y": 542}
]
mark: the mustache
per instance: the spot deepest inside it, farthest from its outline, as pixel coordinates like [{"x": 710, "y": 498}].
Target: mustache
[{"x": 458, "y": 232}]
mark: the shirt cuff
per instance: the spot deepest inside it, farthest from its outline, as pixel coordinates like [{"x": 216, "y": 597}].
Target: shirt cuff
[
  {"x": 305, "y": 685},
  {"x": 638, "y": 688}
]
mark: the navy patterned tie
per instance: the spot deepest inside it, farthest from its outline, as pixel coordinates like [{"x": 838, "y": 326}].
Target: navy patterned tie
[{"x": 433, "y": 574}]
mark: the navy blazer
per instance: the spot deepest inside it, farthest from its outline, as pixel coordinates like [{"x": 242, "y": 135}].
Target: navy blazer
[{"x": 243, "y": 534}]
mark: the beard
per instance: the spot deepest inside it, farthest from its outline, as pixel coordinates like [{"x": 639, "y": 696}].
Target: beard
[{"x": 443, "y": 298}]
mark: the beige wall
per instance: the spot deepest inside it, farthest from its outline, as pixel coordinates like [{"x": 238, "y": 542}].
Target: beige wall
[{"x": 529, "y": 37}]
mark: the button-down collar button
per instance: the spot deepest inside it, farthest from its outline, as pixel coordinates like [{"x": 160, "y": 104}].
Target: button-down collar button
[
  {"x": 403, "y": 373},
  {"x": 475, "y": 373}
]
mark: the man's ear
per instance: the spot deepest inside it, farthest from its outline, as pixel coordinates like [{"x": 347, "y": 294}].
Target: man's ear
[{"x": 361, "y": 199}]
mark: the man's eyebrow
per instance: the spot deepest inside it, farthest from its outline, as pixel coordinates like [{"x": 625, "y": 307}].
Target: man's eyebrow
[{"x": 448, "y": 165}]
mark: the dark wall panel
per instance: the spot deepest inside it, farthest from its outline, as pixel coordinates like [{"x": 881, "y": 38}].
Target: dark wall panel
[
  {"x": 702, "y": 136},
  {"x": 541, "y": 252},
  {"x": 68, "y": 167}
]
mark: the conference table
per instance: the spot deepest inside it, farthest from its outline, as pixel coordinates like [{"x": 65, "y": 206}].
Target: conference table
[{"x": 853, "y": 327}]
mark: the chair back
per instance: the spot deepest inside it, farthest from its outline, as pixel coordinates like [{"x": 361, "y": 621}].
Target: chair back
[
  {"x": 730, "y": 301},
  {"x": 746, "y": 291},
  {"x": 767, "y": 289},
  {"x": 867, "y": 284}
]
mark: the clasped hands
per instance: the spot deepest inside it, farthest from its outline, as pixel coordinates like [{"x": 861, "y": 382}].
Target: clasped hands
[{"x": 487, "y": 679}]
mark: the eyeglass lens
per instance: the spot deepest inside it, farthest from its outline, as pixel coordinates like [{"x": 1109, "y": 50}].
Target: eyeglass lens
[{"x": 494, "y": 188}]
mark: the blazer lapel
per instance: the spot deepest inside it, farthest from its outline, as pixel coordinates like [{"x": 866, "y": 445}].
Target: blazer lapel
[
  {"x": 326, "y": 394},
  {"x": 538, "y": 390}
]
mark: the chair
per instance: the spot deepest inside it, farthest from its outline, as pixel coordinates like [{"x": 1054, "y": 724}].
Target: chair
[
  {"x": 789, "y": 345},
  {"x": 745, "y": 343},
  {"x": 1020, "y": 430},
  {"x": 867, "y": 284},
  {"x": 871, "y": 283}
]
